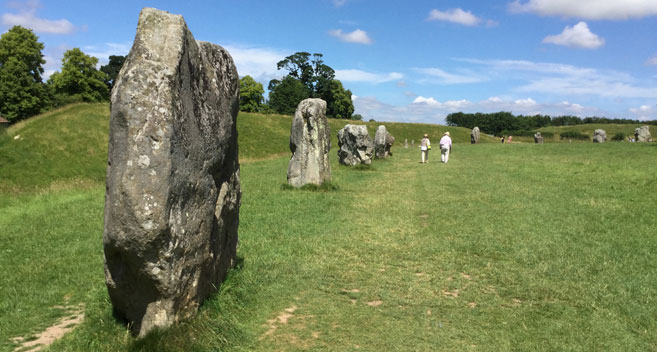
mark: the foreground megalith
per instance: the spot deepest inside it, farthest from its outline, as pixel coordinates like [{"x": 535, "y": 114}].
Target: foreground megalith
[
  {"x": 538, "y": 138},
  {"x": 355, "y": 144},
  {"x": 173, "y": 189},
  {"x": 310, "y": 143},
  {"x": 474, "y": 136},
  {"x": 599, "y": 136},
  {"x": 642, "y": 134},
  {"x": 383, "y": 141}
]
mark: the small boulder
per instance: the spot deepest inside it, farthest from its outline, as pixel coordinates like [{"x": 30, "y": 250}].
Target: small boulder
[
  {"x": 538, "y": 138},
  {"x": 383, "y": 142},
  {"x": 310, "y": 143},
  {"x": 355, "y": 144},
  {"x": 599, "y": 136},
  {"x": 642, "y": 134},
  {"x": 474, "y": 136}
]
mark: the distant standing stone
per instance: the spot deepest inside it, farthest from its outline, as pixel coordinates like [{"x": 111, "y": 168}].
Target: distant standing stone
[
  {"x": 538, "y": 138},
  {"x": 474, "y": 136},
  {"x": 599, "y": 136},
  {"x": 406, "y": 143},
  {"x": 355, "y": 144},
  {"x": 173, "y": 185},
  {"x": 383, "y": 141},
  {"x": 310, "y": 143},
  {"x": 642, "y": 134}
]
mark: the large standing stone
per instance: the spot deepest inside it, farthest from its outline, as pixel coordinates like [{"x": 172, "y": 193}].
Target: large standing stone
[
  {"x": 310, "y": 143},
  {"x": 538, "y": 138},
  {"x": 474, "y": 136},
  {"x": 383, "y": 141},
  {"x": 599, "y": 136},
  {"x": 173, "y": 187},
  {"x": 355, "y": 144},
  {"x": 642, "y": 134}
]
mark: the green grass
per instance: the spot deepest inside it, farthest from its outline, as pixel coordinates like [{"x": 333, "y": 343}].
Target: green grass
[
  {"x": 507, "y": 247},
  {"x": 610, "y": 129}
]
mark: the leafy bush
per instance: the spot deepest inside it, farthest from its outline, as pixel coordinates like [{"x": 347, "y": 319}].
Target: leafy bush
[
  {"x": 574, "y": 135},
  {"x": 620, "y": 136}
]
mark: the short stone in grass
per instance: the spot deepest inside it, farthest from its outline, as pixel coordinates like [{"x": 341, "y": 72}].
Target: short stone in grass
[
  {"x": 642, "y": 134},
  {"x": 538, "y": 138},
  {"x": 474, "y": 136},
  {"x": 383, "y": 142},
  {"x": 355, "y": 144},
  {"x": 599, "y": 136},
  {"x": 310, "y": 143},
  {"x": 173, "y": 187}
]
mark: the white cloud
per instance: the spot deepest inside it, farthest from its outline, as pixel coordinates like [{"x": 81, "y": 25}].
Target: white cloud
[
  {"x": 450, "y": 105},
  {"x": 525, "y": 102},
  {"x": 103, "y": 51},
  {"x": 587, "y": 9},
  {"x": 457, "y": 15},
  {"x": 357, "y": 36},
  {"x": 26, "y": 17},
  {"x": 442, "y": 77},
  {"x": 566, "y": 80},
  {"x": 652, "y": 61},
  {"x": 577, "y": 36},
  {"x": 338, "y": 3},
  {"x": 423, "y": 100},
  {"x": 259, "y": 63},
  {"x": 353, "y": 75},
  {"x": 644, "y": 112}
]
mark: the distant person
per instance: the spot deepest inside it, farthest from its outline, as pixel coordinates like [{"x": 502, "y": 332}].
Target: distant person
[
  {"x": 425, "y": 146},
  {"x": 445, "y": 147},
  {"x": 502, "y": 140},
  {"x": 509, "y": 139}
]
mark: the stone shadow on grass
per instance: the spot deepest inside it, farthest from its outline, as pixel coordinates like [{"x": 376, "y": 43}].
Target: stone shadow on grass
[{"x": 324, "y": 187}]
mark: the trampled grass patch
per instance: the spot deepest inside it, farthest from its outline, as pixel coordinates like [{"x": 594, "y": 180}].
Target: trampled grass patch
[{"x": 506, "y": 247}]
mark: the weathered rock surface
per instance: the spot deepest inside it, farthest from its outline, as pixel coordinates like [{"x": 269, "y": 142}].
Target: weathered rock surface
[
  {"x": 599, "y": 136},
  {"x": 642, "y": 134},
  {"x": 310, "y": 143},
  {"x": 355, "y": 144},
  {"x": 538, "y": 138},
  {"x": 474, "y": 136},
  {"x": 383, "y": 141},
  {"x": 173, "y": 188}
]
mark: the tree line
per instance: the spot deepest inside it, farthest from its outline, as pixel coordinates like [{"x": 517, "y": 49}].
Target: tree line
[
  {"x": 25, "y": 93},
  {"x": 498, "y": 122},
  {"x": 308, "y": 77}
]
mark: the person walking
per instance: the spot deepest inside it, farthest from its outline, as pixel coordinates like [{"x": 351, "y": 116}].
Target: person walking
[
  {"x": 445, "y": 147},
  {"x": 425, "y": 146}
]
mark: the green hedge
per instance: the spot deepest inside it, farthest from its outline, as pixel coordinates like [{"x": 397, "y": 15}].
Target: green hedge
[{"x": 574, "y": 135}]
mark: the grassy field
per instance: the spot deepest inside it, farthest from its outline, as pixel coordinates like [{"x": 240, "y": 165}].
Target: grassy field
[{"x": 507, "y": 247}]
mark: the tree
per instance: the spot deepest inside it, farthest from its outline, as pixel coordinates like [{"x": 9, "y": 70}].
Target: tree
[
  {"x": 22, "y": 92},
  {"x": 251, "y": 94},
  {"x": 285, "y": 95},
  {"x": 79, "y": 79},
  {"x": 112, "y": 69},
  {"x": 314, "y": 75},
  {"x": 338, "y": 102}
]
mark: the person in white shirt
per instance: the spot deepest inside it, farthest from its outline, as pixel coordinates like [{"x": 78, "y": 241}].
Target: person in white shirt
[
  {"x": 445, "y": 147},
  {"x": 425, "y": 145}
]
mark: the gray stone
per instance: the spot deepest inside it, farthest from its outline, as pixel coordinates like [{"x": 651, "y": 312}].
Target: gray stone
[
  {"x": 538, "y": 138},
  {"x": 173, "y": 188},
  {"x": 310, "y": 143},
  {"x": 383, "y": 141},
  {"x": 642, "y": 134},
  {"x": 599, "y": 136},
  {"x": 474, "y": 136},
  {"x": 355, "y": 144},
  {"x": 406, "y": 143}
]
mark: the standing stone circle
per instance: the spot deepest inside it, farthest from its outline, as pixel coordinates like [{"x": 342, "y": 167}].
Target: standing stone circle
[
  {"x": 383, "y": 141},
  {"x": 474, "y": 136},
  {"x": 310, "y": 143},
  {"x": 642, "y": 134},
  {"x": 173, "y": 187},
  {"x": 599, "y": 136},
  {"x": 355, "y": 144},
  {"x": 538, "y": 138}
]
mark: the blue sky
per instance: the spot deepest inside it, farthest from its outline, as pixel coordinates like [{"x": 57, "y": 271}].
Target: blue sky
[{"x": 413, "y": 61}]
